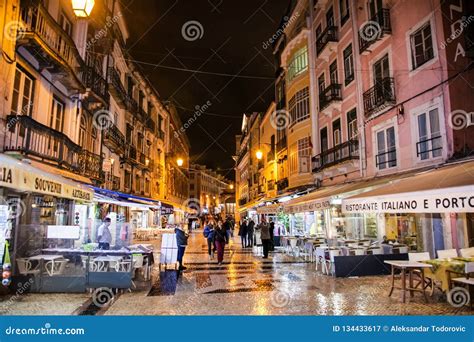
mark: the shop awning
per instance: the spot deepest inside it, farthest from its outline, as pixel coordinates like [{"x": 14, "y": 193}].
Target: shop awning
[
  {"x": 449, "y": 189},
  {"x": 127, "y": 200},
  {"x": 60, "y": 172},
  {"x": 23, "y": 177},
  {"x": 269, "y": 209},
  {"x": 324, "y": 197}
]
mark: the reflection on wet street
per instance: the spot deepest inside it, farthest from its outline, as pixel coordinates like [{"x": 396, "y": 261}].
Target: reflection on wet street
[{"x": 245, "y": 284}]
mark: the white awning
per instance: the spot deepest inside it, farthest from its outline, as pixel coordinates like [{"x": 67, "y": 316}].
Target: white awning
[
  {"x": 23, "y": 177},
  {"x": 449, "y": 189}
]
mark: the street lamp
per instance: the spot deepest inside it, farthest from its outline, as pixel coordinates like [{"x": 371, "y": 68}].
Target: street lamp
[
  {"x": 259, "y": 154},
  {"x": 82, "y": 8},
  {"x": 231, "y": 187},
  {"x": 180, "y": 162}
]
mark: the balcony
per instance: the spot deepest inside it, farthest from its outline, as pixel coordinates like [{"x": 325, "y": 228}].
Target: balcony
[
  {"x": 112, "y": 182},
  {"x": 131, "y": 154},
  {"x": 160, "y": 134},
  {"x": 114, "y": 139},
  {"x": 37, "y": 141},
  {"x": 385, "y": 160},
  {"x": 96, "y": 85},
  {"x": 282, "y": 184},
  {"x": 281, "y": 144},
  {"x": 326, "y": 43},
  {"x": 379, "y": 96},
  {"x": 341, "y": 153},
  {"x": 117, "y": 89},
  {"x": 429, "y": 148},
  {"x": 375, "y": 30},
  {"x": 131, "y": 105},
  {"x": 243, "y": 201},
  {"x": 331, "y": 98},
  {"x": 150, "y": 125},
  {"x": 54, "y": 49},
  {"x": 90, "y": 165}
]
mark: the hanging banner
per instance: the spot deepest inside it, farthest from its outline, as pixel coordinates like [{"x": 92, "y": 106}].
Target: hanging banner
[
  {"x": 316, "y": 205},
  {"x": 459, "y": 200}
]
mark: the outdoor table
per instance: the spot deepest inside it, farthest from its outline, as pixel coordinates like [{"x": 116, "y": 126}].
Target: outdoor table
[
  {"x": 407, "y": 266},
  {"x": 441, "y": 269}
]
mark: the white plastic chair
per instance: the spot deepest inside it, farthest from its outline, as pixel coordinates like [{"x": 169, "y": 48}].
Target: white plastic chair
[
  {"x": 403, "y": 250},
  {"x": 25, "y": 267},
  {"x": 97, "y": 266},
  {"x": 123, "y": 266},
  {"x": 447, "y": 253},
  {"x": 320, "y": 255},
  {"x": 328, "y": 265},
  {"x": 376, "y": 251},
  {"x": 56, "y": 267},
  {"x": 423, "y": 256},
  {"x": 293, "y": 247},
  {"x": 359, "y": 251},
  {"x": 467, "y": 252}
]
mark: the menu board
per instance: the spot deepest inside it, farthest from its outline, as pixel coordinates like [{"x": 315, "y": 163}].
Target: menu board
[{"x": 64, "y": 232}]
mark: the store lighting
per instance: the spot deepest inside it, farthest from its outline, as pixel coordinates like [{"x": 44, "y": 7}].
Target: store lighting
[
  {"x": 231, "y": 187},
  {"x": 285, "y": 199},
  {"x": 259, "y": 155},
  {"x": 336, "y": 201},
  {"x": 82, "y": 8},
  {"x": 180, "y": 162}
]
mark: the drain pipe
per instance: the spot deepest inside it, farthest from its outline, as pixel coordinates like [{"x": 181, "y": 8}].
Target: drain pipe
[{"x": 359, "y": 92}]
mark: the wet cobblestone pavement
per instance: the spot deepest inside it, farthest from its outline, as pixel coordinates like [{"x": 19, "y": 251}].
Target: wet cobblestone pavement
[{"x": 245, "y": 284}]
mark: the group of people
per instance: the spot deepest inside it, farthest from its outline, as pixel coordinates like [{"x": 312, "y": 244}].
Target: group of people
[
  {"x": 248, "y": 237},
  {"x": 218, "y": 235}
]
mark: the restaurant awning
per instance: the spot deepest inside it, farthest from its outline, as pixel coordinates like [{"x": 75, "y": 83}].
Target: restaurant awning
[
  {"x": 23, "y": 177},
  {"x": 449, "y": 189},
  {"x": 269, "y": 209},
  {"x": 60, "y": 172},
  {"x": 324, "y": 197}
]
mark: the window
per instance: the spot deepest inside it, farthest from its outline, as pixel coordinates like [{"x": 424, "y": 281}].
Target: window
[
  {"x": 298, "y": 64},
  {"x": 344, "y": 11},
  {"x": 333, "y": 73},
  {"x": 191, "y": 187},
  {"x": 23, "y": 92},
  {"x": 83, "y": 132},
  {"x": 348, "y": 65},
  {"x": 324, "y": 139},
  {"x": 336, "y": 133},
  {"x": 374, "y": 7},
  {"x": 421, "y": 46},
  {"x": 386, "y": 149},
  {"x": 299, "y": 106},
  {"x": 321, "y": 84},
  {"x": 319, "y": 30},
  {"x": 381, "y": 69},
  {"x": 138, "y": 186},
  {"x": 329, "y": 18},
  {"x": 65, "y": 23},
  {"x": 429, "y": 135},
  {"x": 304, "y": 155},
  {"x": 128, "y": 134},
  {"x": 57, "y": 115},
  {"x": 352, "y": 124}
]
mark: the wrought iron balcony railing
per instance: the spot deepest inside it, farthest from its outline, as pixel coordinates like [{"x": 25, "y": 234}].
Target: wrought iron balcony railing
[
  {"x": 379, "y": 96},
  {"x": 282, "y": 184},
  {"x": 51, "y": 45},
  {"x": 114, "y": 139},
  {"x": 346, "y": 151},
  {"x": 112, "y": 182},
  {"x": 331, "y": 93},
  {"x": 160, "y": 134},
  {"x": 94, "y": 81},
  {"x": 281, "y": 144},
  {"x": 117, "y": 89},
  {"x": 33, "y": 139},
  {"x": 387, "y": 159},
  {"x": 428, "y": 148},
  {"x": 374, "y": 29},
  {"x": 330, "y": 34}
]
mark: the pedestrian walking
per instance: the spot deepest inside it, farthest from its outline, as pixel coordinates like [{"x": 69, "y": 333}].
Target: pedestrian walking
[
  {"x": 243, "y": 233},
  {"x": 221, "y": 239},
  {"x": 272, "y": 234},
  {"x": 104, "y": 237},
  {"x": 250, "y": 229},
  {"x": 209, "y": 233},
  {"x": 182, "y": 242},
  {"x": 264, "y": 228}
]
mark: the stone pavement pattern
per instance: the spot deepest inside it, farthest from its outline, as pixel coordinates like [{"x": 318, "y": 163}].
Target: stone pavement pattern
[{"x": 245, "y": 284}]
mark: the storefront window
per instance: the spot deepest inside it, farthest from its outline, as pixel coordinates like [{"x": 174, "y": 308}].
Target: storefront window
[{"x": 401, "y": 228}]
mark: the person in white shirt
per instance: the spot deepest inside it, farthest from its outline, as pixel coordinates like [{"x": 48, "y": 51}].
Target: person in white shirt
[{"x": 104, "y": 237}]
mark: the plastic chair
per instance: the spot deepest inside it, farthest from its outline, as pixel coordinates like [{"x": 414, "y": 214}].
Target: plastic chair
[
  {"x": 403, "y": 250},
  {"x": 320, "y": 255},
  {"x": 447, "y": 253},
  {"x": 25, "y": 267},
  {"x": 359, "y": 251},
  {"x": 123, "y": 266},
  {"x": 56, "y": 267},
  {"x": 332, "y": 253},
  {"x": 423, "y": 256},
  {"x": 292, "y": 244},
  {"x": 97, "y": 266},
  {"x": 467, "y": 252},
  {"x": 376, "y": 251}
]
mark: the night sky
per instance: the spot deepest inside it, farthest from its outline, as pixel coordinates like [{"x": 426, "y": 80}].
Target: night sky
[{"x": 231, "y": 41}]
